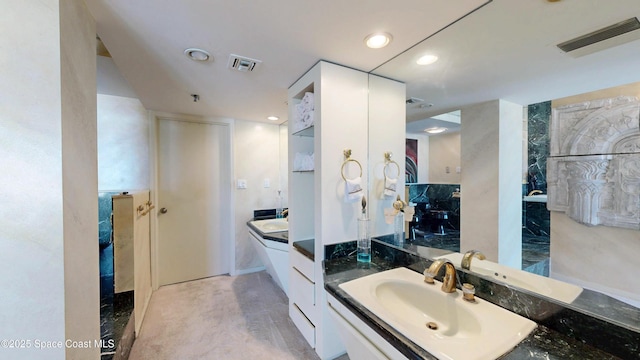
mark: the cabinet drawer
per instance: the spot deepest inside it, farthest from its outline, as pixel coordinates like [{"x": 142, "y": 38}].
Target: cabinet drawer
[
  {"x": 303, "y": 324},
  {"x": 303, "y": 264},
  {"x": 303, "y": 294}
]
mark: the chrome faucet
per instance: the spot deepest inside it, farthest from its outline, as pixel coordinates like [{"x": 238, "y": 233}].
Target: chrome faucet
[
  {"x": 285, "y": 214},
  {"x": 468, "y": 256},
  {"x": 449, "y": 280},
  {"x": 533, "y": 192}
]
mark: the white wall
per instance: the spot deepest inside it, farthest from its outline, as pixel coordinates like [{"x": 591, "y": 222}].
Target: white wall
[
  {"x": 284, "y": 162},
  {"x": 80, "y": 177},
  {"x": 387, "y": 110},
  {"x": 491, "y": 157},
  {"x": 48, "y": 186},
  {"x": 601, "y": 258},
  {"x": 444, "y": 151},
  {"x": 256, "y": 158},
  {"x": 123, "y": 144}
]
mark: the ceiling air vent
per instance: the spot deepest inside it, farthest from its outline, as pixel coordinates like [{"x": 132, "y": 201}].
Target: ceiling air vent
[
  {"x": 603, "y": 38},
  {"x": 242, "y": 63}
]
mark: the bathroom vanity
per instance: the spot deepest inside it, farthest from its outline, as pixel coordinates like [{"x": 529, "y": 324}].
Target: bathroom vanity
[
  {"x": 561, "y": 332},
  {"x": 270, "y": 240}
]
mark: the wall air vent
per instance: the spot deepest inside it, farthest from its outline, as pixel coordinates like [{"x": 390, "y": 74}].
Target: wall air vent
[
  {"x": 242, "y": 63},
  {"x": 616, "y": 34}
]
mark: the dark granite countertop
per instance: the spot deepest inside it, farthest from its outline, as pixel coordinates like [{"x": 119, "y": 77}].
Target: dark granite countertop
[
  {"x": 306, "y": 247},
  {"x": 280, "y": 236},
  {"x": 542, "y": 343}
]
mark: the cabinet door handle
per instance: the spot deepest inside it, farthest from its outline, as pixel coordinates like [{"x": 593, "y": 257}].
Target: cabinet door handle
[{"x": 163, "y": 210}]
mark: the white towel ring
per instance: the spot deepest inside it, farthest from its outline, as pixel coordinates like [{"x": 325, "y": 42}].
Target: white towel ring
[{"x": 347, "y": 155}]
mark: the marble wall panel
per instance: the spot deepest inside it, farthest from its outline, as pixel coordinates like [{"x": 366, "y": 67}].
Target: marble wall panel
[{"x": 538, "y": 146}]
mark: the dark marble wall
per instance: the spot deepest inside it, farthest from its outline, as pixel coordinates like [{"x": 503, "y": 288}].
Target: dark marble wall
[
  {"x": 428, "y": 197},
  {"x": 539, "y": 116},
  {"x": 115, "y": 309},
  {"x": 537, "y": 219},
  {"x": 105, "y": 237}
]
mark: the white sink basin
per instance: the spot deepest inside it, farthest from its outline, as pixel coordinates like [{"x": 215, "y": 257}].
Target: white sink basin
[
  {"x": 545, "y": 286},
  {"x": 271, "y": 225},
  {"x": 465, "y": 330}
]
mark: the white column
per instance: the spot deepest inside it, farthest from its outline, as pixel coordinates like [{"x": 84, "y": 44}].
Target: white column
[
  {"x": 48, "y": 182},
  {"x": 491, "y": 203},
  {"x": 386, "y": 133}
]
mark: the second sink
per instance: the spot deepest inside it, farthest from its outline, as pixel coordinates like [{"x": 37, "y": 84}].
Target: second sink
[{"x": 271, "y": 225}]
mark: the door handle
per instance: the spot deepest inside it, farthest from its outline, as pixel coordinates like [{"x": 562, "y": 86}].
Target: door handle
[{"x": 163, "y": 210}]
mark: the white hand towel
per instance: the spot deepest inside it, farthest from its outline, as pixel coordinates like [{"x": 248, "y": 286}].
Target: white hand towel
[
  {"x": 352, "y": 190},
  {"x": 390, "y": 186}
]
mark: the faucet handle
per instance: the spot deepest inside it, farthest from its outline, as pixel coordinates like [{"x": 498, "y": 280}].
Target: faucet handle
[
  {"x": 428, "y": 277},
  {"x": 468, "y": 292}
]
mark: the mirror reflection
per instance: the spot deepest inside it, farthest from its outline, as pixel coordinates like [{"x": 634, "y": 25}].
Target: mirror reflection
[
  {"x": 563, "y": 274},
  {"x": 542, "y": 227}
]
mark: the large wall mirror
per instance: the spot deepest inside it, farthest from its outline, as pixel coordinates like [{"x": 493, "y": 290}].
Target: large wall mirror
[{"x": 527, "y": 68}]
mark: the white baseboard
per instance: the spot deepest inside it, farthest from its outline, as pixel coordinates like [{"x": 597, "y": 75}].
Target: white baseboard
[{"x": 247, "y": 271}]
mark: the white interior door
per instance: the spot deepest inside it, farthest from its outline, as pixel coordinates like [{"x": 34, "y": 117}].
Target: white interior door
[{"x": 194, "y": 187}]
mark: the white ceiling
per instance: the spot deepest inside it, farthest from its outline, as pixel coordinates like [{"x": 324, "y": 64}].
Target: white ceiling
[{"x": 504, "y": 49}]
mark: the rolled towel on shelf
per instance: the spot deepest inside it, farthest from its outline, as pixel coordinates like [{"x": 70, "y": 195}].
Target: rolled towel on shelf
[
  {"x": 353, "y": 190},
  {"x": 308, "y": 119},
  {"x": 308, "y": 101},
  {"x": 300, "y": 111}
]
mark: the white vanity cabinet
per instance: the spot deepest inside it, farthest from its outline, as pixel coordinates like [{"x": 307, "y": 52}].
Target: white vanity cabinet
[
  {"x": 361, "y": 341},
  {"x": 302, "y": 296}
]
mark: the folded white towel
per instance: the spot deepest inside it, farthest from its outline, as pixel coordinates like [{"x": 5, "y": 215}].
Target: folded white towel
[
  {"x": 390, "y": 186},
  {"x": 353, "y": 190}
]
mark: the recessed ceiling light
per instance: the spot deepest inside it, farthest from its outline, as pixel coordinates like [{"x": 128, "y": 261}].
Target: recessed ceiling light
[
  {"x": 435, "y": 130},
  {"x": 197, "y": 54},
  {"x": 378, "y": 40},
  {"x": 273, "y": 118},
  {"x": 427, "y": 59}
]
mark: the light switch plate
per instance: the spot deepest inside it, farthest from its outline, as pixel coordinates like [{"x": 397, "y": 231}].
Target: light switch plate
[
  {"x": 266, "y": 183},
  {"x": 242, "y": 184}
]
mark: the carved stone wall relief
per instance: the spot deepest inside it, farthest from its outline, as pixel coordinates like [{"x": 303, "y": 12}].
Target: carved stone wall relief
[{"x": 593, "y": 174}]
